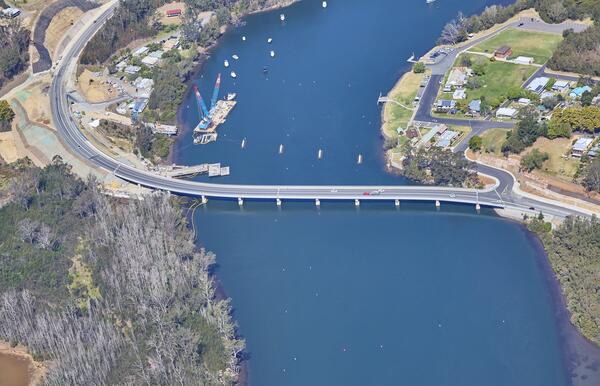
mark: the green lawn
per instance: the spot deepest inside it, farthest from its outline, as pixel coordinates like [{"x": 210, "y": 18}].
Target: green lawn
[
  {"x": 499, "y": 77},
  {"x": 396, "y": 116},
  {"x": 493, "y": 140},
  {"x": 538, "y": 45}
]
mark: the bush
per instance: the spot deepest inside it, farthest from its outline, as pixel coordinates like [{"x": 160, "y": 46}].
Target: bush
[
  {"x": 419, "y": 68},
  {"x": 475, "y": 143},
  {"x": 534, "y": 160}
]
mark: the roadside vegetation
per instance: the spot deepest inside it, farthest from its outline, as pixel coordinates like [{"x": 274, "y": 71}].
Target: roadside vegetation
[
  {"x": 6, "y": 115},
  {"x": 14, "y": 49},
  {"x": 109, "y": 291},
  {"x": 439, "y": 167},
  {"x": 573, "y": 249}
]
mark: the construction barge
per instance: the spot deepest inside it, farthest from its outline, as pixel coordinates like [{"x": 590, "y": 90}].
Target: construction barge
[{"x": 206, "y": 130}]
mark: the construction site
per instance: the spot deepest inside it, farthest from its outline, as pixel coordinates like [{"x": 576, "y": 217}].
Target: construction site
[{"x": 206, "y": 130}]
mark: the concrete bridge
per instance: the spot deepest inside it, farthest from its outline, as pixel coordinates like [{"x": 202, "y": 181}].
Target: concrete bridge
[{"x": 500, "y": 197}]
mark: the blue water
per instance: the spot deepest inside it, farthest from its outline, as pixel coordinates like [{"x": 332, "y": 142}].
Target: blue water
[{"x": 374, "y": 296}]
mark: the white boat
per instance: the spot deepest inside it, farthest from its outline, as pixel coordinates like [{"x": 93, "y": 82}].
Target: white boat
[
  {"x": 272, "y": 54},
  {"x": 233, "y": 74},
  {"x": 282, "y": 17},
  {"x": 281, "y": 149},
  {"x": 324, "y": 4},
  {"x": 243, "y": 38},
  {"x": 235, "y": 57},
  {"x": 231, "y": 96},
  {"x": 430, "y": 1},
  {"x": 270, "y": 40},
  {"x": 226, "y": 63}
]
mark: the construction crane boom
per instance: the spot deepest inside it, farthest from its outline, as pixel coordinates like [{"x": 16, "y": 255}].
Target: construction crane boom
[
  {"x": 201, "y": 105},
  {"x": 213, "y": 101}
]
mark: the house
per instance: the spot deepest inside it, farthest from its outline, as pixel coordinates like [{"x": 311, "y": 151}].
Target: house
[
  {"x": 170, "y": 44},
  {"x": 538, "y": 85},
  {"x": 412, "y": 133},
  {"x": 524, "y": 60},
  {"x": 460, "y": 94},
  {"x": 156, "y": 54},
  {"x": 524, "y": 101},
  {"x": 150, "y": 61},
  {"x": 581, "y": 146},
  {"x": 11, "y": 13},
  {"x": 503, "y": 52},
  {"x": 139, "y": 105},
  {"x": 143, "y": 83},
  {"x": 561, "y": 85},
  {"x": 506, "y": 112},
  {"x": 427, "y": 138},
  {"x": 458, "y": 77},
  {"x": 446, "y": 138},
  {"x": 173, "y": 12},
  {"x": 475, "y": 106},
  {"x": 444, "y": 105},
  {"x": 140, "y": 51},
  {"x": 132, "y": 69},
  {"x": 121, "y": 65},
  {"x": 94, "y": 124},
  {"x": 579, "y": 91}
]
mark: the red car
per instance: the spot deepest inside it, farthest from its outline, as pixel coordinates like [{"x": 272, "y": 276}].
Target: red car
[{"x": 366, "y": 194}]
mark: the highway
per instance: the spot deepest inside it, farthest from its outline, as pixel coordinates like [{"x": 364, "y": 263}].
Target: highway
[{"x": 502, "y": 196}]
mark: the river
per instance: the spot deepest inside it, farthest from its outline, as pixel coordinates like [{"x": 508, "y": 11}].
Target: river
[{"x": 376, "y": 295}]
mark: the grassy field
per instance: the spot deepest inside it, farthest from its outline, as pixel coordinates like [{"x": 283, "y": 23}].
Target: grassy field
[
  {"x": 557, "y": 165},
  {"x": 404, "y": 92},
  {"x": 493, "y": 140},
  {"x": 538, "y": 45},
  {"x": 498, "y": 78}
]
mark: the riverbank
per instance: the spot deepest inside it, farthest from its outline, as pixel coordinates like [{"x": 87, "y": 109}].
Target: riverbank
[{"x": 18, "y": 368}]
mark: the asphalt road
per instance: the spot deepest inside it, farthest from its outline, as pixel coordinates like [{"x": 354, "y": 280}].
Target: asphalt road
[{"x": 71, "y": 136}]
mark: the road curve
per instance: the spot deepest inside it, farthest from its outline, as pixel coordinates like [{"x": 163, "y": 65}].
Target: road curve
[{"x": 500, "y": 196}]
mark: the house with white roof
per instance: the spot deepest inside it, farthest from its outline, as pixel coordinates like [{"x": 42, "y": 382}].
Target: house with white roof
[
  {"x": 506, "y": 112},
  {"x": 524, "y": 60},
  {"x": 538, "y": 85},
  {"x": 581, "y": 146}
]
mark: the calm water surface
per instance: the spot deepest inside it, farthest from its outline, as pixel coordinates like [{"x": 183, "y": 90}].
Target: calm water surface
[{"x": 376, "y": 296}]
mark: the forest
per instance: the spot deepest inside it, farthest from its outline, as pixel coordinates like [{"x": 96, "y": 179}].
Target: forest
[
  {"x": 109, "y": 291},
  {"x": 573, "y": 249},
  {"x": 14, "y": 46}
]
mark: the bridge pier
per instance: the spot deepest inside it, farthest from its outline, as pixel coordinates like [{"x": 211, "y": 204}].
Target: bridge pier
[
  {"x": 397, "y": 203},
  {"x": 357, "y": 202},
  {"x": 317, "y": 202},
  {"x": 437, "y": 204},
  {"x": 204, "y": 200},
  {"x": 278, "y": 202},
  {"x": 240, "y": 201}
]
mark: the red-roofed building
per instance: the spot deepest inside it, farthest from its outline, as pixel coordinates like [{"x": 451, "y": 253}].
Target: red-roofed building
[{"x": 173, "y": 12}]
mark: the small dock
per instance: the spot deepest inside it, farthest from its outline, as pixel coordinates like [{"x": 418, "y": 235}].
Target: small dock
[{"x": 179, "y": 171}]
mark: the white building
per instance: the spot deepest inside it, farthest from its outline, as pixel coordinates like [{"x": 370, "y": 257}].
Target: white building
[
  {"x": 506, "y": 112},
  {"x": 561, "y": 85},
  {"x": 11, "y": 13},
  {"x": 581, "y": 146},
  {"x": 140, "y": 51},
  {"x": 538, "y": 85},
  {"x": 524, "y": 101},
  {"x": 524, "y": 60},
  {"x": 150, "y": 61},
  {"x": 460, "y": 94},
  {"x": 132, "y": 69}
]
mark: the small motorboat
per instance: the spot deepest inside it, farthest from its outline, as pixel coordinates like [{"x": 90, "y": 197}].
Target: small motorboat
[
  {"x": 282, "y": 17},
  {"x": 226, "y": 63},
  {"x": 270, "y": 40},
  {"x": 233, "y": 74},
  {"x": 324, "y": 4},
  {"x": 272, "y": 54},
  {"x": 243, "y": 38},
  {"x": 235, "y": 57}
]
